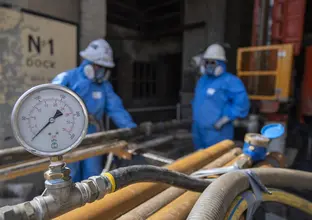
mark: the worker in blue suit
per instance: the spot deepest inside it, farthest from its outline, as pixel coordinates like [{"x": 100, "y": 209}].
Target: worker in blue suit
[
  {"x": 220, "y": 98},
  {"x": 89, "y": 81}
]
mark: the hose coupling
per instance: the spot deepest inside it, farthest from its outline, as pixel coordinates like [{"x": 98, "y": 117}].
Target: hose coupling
[{"x": 99, "y": 185}]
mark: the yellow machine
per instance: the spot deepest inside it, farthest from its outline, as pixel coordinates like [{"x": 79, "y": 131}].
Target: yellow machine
[{"x": 266, "y": 71}]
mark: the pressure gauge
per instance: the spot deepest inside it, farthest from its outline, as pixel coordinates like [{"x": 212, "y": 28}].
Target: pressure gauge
[{"x": 49, "y": 120}]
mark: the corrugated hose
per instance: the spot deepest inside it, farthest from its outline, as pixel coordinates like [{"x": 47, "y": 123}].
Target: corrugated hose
[{"x": 216, "y": 200}]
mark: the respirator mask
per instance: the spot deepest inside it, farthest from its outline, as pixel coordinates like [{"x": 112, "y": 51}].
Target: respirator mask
[
  {"x": 97, "y": 74},
  {"x": 212, "y": 67}
]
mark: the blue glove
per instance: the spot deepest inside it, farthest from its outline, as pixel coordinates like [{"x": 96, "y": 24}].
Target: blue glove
[{"x": 221, "y": 122}]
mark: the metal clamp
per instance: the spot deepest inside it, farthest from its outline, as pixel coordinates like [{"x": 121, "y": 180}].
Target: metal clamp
[
  {"x": 242, "y": 163},
  {"x": 254, "y": 197},
  {"x": 216, "y": 171}
]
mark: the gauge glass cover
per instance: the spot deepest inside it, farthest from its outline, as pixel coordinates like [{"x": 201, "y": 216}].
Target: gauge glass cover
[{"x": 49, "y": 120}]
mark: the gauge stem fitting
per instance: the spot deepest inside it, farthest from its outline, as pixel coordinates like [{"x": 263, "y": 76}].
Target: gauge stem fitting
[{"x": 57, "y": 170}]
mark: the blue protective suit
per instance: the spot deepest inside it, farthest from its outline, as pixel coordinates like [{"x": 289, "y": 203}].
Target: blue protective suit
[
  {"x": 99, "y": 99},
  {"x": 216, "y": 97}
]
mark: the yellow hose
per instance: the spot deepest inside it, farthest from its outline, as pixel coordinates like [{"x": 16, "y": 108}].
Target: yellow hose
[{"x": 239, "y": 206}]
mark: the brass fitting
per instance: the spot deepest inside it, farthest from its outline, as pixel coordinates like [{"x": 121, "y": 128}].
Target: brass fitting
[
  {"x": 56, "y": 158},
  {"x": 57, "y": 169},
  {"x": 256, "y": 140}
]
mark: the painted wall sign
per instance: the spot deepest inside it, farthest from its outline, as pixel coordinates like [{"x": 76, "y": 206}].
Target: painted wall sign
[{"x": 33, "y": 49}]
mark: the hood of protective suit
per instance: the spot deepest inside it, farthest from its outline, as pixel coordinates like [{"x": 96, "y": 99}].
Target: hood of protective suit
[
  {"x": 82, "y": 85},
  {"x": 98, "y": 76},
  {"x": 82, "y": 69}
]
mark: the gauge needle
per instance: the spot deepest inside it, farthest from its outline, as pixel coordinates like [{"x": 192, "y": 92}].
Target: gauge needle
[{"x": 57, "y": 114}]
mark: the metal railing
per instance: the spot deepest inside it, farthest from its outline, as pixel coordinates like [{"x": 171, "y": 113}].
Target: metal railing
[
  {"x": 93, "y": 145},
  {"x": 178, "y": 108}
]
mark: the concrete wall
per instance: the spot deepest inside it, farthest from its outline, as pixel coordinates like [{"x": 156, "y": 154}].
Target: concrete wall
[
  {"x": 67, "y": 10},
  {"x": 91, "y": 15},
  {"x": 238, "y": 29},
  {"x": 213, "y": 12},
  {"x": 92, "y": 21}
]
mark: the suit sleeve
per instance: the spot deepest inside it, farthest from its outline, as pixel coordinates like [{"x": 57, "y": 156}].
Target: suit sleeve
[
  {"x": 239, "y": 104},
  {"x": 115, "y": 109},
  {"x": 62, "y": 79}
]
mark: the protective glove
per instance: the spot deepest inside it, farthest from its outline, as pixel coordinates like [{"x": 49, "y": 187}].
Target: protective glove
[{"x": 221, "y": 122}]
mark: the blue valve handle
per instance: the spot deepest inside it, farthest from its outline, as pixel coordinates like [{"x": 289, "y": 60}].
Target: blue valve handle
[{"x": 257, "y": 153}]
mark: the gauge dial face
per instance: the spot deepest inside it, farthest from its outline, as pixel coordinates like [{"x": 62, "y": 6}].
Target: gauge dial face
[{"x": 49, "y": 120}]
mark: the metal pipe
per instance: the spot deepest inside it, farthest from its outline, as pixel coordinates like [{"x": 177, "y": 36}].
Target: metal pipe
[
  {"x": 263, "y": 22},
  {"x": 59, "y": 197},
  {"x": 108, "y": 163},
  {"x": 178, "y": 112},
  {"x": 273, "y": 159},
  {"x": 151, "y": 206},
  {"x": 152, "y": 109},
  {"x": 216, "y": 171},
  {"x": 157, "y": 158},
  {"x": 34, "y": 166},
  {"x": 37, "y": 165},
  {"x": 114, "y": 205},
  {"x": 183, "y": 136},
  {"x": 62, "y": 196},
  {"x": 181, "y": 207},
  {"x": 224, "y": 159},
  {"x": 10, "y": 155},
  {"x": 240, "y": 162},
  {"x": 152, "y": 143},
  {"x": 178, "y": 209},
  {"x": 107, "y": 123}
]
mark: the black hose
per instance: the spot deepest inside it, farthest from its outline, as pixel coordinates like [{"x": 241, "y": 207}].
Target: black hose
[
  {"x": 133, "y": 174},
  {"x": 217, "y": 198}
]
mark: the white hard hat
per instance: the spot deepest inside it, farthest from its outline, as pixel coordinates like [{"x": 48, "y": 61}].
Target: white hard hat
[
  {"x": 99, "y": 52},
  {"x": 215, "y": 52}
]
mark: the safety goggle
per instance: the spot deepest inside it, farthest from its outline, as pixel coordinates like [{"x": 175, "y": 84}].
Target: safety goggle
[
  {"x": 209, "y": 62},
  {"x": 98, "y": 66},
  {"x": 102, "y": 67}
]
